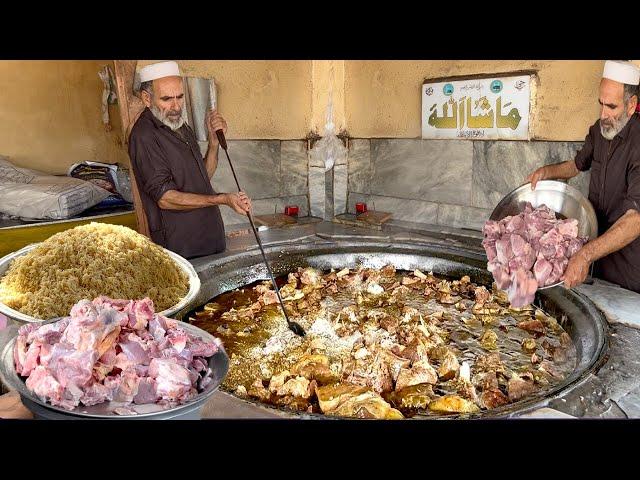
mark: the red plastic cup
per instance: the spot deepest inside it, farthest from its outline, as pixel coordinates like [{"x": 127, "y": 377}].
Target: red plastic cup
[
  {"x": 361, "y": 207},
  {"x": 291, "y": 210}
]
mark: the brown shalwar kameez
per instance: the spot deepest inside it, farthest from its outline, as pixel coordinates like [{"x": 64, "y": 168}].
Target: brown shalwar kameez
[
  {"x": 614, "y": 189},
  {"x": 165, "y": 160}
]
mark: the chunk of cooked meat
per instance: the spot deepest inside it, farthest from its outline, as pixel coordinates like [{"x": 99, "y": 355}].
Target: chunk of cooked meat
[
  {"x": 549, "y": 368},
  {"x": 488, "y": 339},
  {"x": 331, "y": 397},
  {"x": 395, "y": 362},
  {"x": 419, "y": 274},
  {"x": 411, "y": 314},
  {"x": 296, "y": 387},
  {"x": 493, "y": 398},
  {"x": 366, "y": 405},
  {"x": 263, "y": 287},
  {"x": 389, "y": 323},
  {"x": 277, "y": 381},
  {"x": 293, "y": 403},
  {"x": 438, "y": 353},
  {"x": 349, "y": 280},
  {"x": 408, "y": 281},
  {"x": 453, "y": 404},
  {"x": 388, "y": 271},
  {"x": 485, "y": 380},
  {"x": 370, "y": 373},
  {"x": 449, "y": 367},
  {"x": 381, "y": 379},
  {"x": 257, "y": 390},
  {"x": 519, "y": 388},
  {"x": 270, "y": 297},
  {"x": 311, "y": 276},
  {"x": 420, "y": 372},
  {"x": 529, "y": 345},
  {"x": 482, "y": 295},
  {"x": 490, "y": 362},
  {"x": 415, "y": 396},
  {"x": 315, "y": 367},
  {"x": 532, "y": 326},
  {"x": 415, "y": 350},
  {"x": 343, "y": 272}
]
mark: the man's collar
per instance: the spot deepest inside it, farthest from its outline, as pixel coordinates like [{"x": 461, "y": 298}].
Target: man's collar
[
  {"x": 625, "y": 131},
  {"x": 149, "y": 113}
]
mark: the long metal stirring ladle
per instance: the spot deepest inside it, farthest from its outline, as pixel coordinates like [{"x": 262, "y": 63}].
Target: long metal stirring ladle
[{"x": 295, "y": 327}]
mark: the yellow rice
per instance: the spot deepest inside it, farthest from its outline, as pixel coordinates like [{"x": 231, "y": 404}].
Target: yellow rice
[{"x": 89, "y": 261}]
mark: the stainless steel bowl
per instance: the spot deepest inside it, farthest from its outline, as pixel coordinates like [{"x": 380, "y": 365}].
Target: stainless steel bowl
[
  {"x": 219, "y": 364},
  {"x": 182, "y": 305},
  {"x": 565, "y": 200}
]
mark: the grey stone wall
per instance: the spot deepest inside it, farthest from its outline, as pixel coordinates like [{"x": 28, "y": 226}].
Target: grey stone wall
[
  {"x": 453, "y": 183},
  {"x": 446, "y": 182},
  {"x": 273, "y": 173}
]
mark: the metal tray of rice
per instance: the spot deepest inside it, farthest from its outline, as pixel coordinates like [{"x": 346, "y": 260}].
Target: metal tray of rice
[{"x": 44, "y": 280}]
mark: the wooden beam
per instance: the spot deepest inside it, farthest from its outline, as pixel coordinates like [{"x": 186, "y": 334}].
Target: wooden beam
[{"x": 130, "y": 109}]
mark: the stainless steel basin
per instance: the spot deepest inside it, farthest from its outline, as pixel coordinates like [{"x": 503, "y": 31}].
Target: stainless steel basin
[
  {"x": 560, "y": 197},
  {"x": 219, "y": 364}
]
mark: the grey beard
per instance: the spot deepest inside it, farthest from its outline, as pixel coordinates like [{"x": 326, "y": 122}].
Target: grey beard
[
  {"x": 169, "y": 123},
  {"x": 610, "y": 132}
]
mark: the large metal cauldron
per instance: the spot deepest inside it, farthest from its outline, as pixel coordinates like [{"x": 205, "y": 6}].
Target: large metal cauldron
[{"x": 577, "y": 315}]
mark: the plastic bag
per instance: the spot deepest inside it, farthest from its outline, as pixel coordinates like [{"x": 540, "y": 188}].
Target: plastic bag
[
  {"x": 329, "y": 149},
  {"x": 30, "y": 194},
  {"x": 111, "y": 177}
]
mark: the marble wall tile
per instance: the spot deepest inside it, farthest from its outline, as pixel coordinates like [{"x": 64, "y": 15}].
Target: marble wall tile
[
  {"x": 501, "y": 166},
  {"x": 328, "y": 195},
  {"x": 462, "y": 216},
  {"x": 317, "y": 191},
  {"x": 257, "y": 165},
  {"x": 401, "y": 208},
  {"x": 426, "y": 170},
  {"x": 267, "y": 206},
  {"x": 295, "y": 167},
  {"x": 360, "y": 165},
  {"x": 340, "y": 188}
]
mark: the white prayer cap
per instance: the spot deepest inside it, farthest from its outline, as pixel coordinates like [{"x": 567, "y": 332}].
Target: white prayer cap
[
  {"x": 623, "y": 72},
  {"x": 159, "y": 70}
]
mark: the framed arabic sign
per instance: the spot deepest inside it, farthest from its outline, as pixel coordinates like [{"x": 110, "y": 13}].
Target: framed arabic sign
[{"x": 477, "y": 108}]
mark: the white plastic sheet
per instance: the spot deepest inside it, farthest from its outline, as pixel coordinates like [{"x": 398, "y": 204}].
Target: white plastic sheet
[
  {"x": 30, "y": 194},
  {"x": 329, "y": 149}
]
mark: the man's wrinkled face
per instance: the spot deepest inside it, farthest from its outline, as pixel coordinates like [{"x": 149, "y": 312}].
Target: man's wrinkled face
[
  {"x": 167, "y": 101},
  {"x": 614, "y": 114}
]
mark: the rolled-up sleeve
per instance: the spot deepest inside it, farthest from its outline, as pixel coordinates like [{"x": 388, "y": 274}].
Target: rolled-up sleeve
[
  {"x": 151, "y": 167},
  {"x": 584, "y": 156}
]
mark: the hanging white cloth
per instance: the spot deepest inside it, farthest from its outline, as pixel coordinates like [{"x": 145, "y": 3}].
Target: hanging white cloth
[{"x": 109, "y": 95}]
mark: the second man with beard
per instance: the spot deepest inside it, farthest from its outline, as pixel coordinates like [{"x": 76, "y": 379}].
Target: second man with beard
[
  {"x": 612, "y": 152},
  {"x": 173, "y": 178}
]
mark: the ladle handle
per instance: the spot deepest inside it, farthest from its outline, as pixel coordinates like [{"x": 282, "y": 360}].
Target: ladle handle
[
  {"x": 223, "y": 144},
  {"x": 222, "y": 140}
]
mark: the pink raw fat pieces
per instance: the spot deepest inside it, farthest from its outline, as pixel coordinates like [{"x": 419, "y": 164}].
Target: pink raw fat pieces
[
  {"x": 112, "y": 350},
  {"x": 529, "y": 250}
]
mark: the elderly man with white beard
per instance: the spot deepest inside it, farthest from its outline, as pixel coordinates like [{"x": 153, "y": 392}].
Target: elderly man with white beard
[
  {"x": 612, "y": 152},
  {"x": 173, "y": 178}
]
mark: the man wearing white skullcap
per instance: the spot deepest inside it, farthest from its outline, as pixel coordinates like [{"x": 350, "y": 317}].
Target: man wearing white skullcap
[
  {"x": 612, "y": 152},
  {"x": 173, "y": 178}
]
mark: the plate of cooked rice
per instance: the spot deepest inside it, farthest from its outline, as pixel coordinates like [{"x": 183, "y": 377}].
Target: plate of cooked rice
[{"x": 44, "y": 280}]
